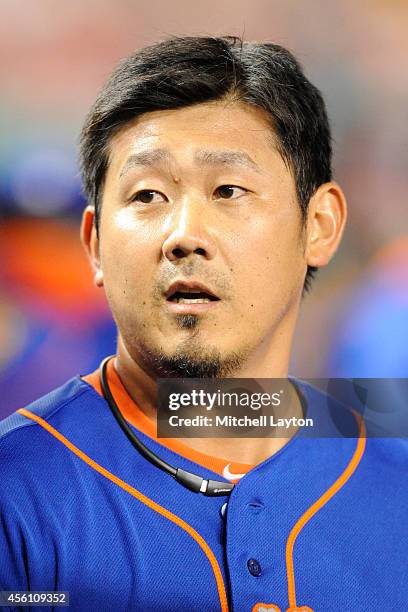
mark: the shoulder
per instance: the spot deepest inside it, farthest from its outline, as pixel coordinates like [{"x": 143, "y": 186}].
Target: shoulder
[
  {"x": 388, "y": 454},
  {"x": 25, "y": 444},
  {"x": 383, "y": 462}
]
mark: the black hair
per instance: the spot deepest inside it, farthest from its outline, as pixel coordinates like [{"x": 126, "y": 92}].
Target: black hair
[{"x": 183, "y": 71}]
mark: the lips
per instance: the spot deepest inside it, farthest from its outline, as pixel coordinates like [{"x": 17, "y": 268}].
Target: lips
[{"x": 190, "y": 292}]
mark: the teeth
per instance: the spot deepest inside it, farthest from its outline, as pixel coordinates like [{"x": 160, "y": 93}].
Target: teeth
[{"x": 192, "y": 300}]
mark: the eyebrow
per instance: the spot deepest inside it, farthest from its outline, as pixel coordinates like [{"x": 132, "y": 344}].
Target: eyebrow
[
  {"x": 226, "y": 158},
  {"x": 152, "y": 157}
]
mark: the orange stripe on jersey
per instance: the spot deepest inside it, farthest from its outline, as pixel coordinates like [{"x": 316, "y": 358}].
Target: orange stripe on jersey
[
  {"x": 142, "y": 498},
  {"x": 134, "y": 415},
  {"x": 331, "y": 491}
]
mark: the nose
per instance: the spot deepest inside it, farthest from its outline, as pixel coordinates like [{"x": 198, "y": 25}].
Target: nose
[{"x": 188, "y": 234}]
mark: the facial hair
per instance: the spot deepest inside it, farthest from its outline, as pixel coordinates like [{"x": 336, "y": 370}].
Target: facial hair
[{"x": 193, "y": 364}]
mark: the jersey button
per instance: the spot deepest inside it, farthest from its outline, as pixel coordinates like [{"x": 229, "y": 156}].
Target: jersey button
[
  {"x": 254, "y": 567},
  {"x": 223, "y": 510}
]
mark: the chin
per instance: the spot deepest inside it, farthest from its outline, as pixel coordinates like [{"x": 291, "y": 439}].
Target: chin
[{"x": 198, "y": 361}]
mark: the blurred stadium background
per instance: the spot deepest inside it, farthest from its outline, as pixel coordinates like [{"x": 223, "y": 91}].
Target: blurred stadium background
[{"x": 53, "y": 59}]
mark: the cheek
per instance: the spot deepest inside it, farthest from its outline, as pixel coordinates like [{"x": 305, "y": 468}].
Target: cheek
[
  {"x": 128, "y": 224},
  {"x": 128, "y": 256},
  {"x": 271, "y": 261}
]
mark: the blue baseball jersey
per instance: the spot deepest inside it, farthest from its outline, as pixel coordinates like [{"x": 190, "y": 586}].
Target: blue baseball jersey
[{"x": 321, "y": 525}]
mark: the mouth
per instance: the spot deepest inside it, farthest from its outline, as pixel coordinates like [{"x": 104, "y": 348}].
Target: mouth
[{"x": 190, "y": 297}]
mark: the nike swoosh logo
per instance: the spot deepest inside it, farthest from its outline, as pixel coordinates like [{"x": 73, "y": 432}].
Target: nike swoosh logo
[{"x": 229, "y": 475}]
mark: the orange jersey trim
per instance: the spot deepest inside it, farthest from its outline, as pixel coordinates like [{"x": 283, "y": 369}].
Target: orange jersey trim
[
  {"x": 305, "y": 518},
  {"x": 143, "y": 499},
  {"x": 134, "y": 415},
  {"x": 310, "y": 512}
]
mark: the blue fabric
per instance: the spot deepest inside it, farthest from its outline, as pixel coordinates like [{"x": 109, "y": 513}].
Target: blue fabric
[{"x": 63, "y": 526}]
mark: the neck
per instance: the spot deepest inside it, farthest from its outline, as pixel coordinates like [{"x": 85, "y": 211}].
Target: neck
[{"x": 270, "y": 360}]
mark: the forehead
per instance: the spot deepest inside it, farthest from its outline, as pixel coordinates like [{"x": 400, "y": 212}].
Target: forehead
[{"x": 216, "y": 125}]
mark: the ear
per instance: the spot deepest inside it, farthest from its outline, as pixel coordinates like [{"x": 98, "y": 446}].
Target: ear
[
  {"x": 90, "y": 242},
  {"x": 327, "y": 216}
]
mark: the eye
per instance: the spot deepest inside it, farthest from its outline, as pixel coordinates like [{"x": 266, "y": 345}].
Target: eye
[
  {"x": 147, "y": 196},
  {"x": 229, "y": 192}
]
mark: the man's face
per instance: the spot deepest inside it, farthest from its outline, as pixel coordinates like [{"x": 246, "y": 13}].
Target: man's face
[{"x": 201, "y": 242}]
